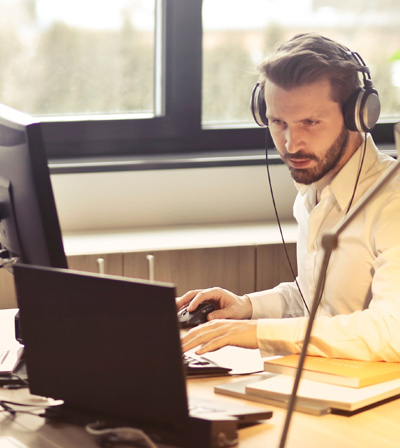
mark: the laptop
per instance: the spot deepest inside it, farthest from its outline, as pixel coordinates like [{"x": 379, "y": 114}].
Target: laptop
[{"x": 109, "y": 347}]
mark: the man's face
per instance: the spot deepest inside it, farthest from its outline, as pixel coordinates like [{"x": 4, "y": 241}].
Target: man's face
[{"x": 308, "y": 130}]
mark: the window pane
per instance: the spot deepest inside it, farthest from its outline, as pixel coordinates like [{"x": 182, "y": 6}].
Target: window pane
[
  {"x": 68, "y": 57},
  {"x": 237, "y": 35}
]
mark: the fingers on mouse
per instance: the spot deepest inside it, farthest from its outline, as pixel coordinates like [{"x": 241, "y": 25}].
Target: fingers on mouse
[{"x": 188, "y": 319}]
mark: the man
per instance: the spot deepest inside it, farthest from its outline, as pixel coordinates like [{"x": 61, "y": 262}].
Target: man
[{"x": 307, "y": 85}]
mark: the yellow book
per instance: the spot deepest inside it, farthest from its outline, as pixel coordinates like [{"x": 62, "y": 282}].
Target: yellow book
[{"x": 341, "y": 372}]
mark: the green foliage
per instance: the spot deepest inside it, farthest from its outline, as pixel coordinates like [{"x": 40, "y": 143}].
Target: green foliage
[
  {"x": 395, "y": 56},
  {"x": 226, "y": 80},
  {"x": 229, "y": 75},
  {"x": 71, "y": 70},
  {"x": 77, "y": 71}
]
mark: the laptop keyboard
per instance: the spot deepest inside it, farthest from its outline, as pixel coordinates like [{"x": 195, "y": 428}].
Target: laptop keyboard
[{"x": 199, "y": 365}]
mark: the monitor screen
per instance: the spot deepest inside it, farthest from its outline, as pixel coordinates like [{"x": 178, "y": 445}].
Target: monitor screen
[{"x": 29, "y": 227}]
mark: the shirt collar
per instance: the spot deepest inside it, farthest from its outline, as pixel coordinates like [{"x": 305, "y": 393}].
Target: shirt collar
[{"x": 341, "y": 186}]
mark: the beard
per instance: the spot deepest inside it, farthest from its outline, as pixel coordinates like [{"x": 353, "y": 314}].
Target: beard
[{"x": 324, "y": 165}]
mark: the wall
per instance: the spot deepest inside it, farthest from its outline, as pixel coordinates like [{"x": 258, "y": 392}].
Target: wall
[{"x": 125, "y": 200}]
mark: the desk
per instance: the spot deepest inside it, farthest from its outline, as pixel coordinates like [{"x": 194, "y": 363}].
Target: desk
[{"x": 378, "y": 427}]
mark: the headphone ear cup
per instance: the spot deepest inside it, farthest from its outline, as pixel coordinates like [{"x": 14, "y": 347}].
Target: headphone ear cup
[
  {"x": 258, "y": 107},
  {"x": 362, "y": 109},
  {"x": 370, "y": 109}
]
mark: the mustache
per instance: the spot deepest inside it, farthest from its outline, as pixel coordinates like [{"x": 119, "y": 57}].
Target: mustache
[{"x": 300, "y": 156}]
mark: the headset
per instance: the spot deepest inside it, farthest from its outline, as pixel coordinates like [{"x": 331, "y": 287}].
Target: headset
[{"x": 360, "y": 113}]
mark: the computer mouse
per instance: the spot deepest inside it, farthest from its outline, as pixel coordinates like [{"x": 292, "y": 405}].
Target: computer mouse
[{"x": 196, "y": 317}]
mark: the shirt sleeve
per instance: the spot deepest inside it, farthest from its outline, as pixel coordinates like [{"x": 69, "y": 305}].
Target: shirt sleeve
[
  {"x": 370, "y": 334},
  {"x": 282, "y": 301}
]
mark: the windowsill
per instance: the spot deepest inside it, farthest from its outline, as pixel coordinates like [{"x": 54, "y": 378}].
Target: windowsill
[
  {"x": 171, "y": 161},
  {"x": 158, "y": 162},
  {"x": 177, "y": 237}
]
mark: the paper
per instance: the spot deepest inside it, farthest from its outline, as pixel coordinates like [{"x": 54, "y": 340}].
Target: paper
[
  {"x": 241, "y": 360},
  {"x": 10, "y": 348},
  {"x": 10, "y": 442}
]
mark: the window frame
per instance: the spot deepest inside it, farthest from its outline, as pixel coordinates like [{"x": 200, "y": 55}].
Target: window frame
[{"x": 178, "y": 131}]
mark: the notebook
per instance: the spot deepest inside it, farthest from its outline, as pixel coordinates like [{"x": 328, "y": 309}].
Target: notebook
[{"x": 110, "y": 348}]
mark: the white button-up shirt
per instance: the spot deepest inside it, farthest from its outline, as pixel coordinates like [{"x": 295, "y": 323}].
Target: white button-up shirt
[{"x": 359, "y": 314}]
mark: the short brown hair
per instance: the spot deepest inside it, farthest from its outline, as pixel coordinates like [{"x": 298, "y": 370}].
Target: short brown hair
[{"x": 306, "y": 58}]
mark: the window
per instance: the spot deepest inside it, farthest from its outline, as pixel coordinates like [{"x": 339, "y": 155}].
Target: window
[
  {"x": 234, "y": 43},
  {"x": 153, "y": 77},
  {"x": 78, "y": 57}
]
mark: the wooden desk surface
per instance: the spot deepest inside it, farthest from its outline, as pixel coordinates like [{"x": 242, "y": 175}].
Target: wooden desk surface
[{"x": 377, "y": 427}]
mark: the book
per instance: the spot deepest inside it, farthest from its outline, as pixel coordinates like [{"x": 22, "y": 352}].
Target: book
[
  {"x": 279, "y": 387},
  {"x": 341, "y": 372},
  {"x": 237, "y": 389}
]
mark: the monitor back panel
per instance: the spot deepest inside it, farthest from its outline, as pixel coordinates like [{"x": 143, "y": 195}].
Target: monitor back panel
[{"x": 102, "y": 344}]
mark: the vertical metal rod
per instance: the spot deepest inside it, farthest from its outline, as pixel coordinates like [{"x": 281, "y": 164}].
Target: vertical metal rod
[
  {"x": 100, "y": 266},
  {"x": 150, "y": 261}
]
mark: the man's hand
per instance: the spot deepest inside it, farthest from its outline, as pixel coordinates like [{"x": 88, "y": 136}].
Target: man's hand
[
  {"x": 219, "y": 333},
  {"x": 230, "y": 305}
]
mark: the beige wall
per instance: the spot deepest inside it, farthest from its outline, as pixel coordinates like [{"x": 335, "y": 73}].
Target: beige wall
[{"x": 125, "y": 200}]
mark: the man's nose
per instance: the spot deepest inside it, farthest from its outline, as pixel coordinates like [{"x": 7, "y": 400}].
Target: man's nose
[{"x": 294, "y": 140}]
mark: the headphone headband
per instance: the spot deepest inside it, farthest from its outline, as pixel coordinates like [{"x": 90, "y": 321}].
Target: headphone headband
[{"x": 360, "y": 113}]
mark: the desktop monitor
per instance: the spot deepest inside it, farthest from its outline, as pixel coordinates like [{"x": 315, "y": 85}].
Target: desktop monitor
[{"x": 29, "y": 228}]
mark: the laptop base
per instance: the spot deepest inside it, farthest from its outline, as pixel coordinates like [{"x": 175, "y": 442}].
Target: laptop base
[{"x": 208, "y": 432}]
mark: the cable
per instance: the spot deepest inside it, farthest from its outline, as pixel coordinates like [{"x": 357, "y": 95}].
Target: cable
[
  {"x": 359, "y": 173},
  {"x": 350, "y": 203},
  {"x": 106, "y": 437},
  {"x": 329, "y": 243},
  {"x": 279, "y": 224},
  {"x": 7, "y": 407},
  {"x": 14, "y": 381}
]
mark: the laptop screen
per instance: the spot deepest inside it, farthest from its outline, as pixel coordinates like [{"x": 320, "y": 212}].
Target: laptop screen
[{"x": 104, "y": 345}]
